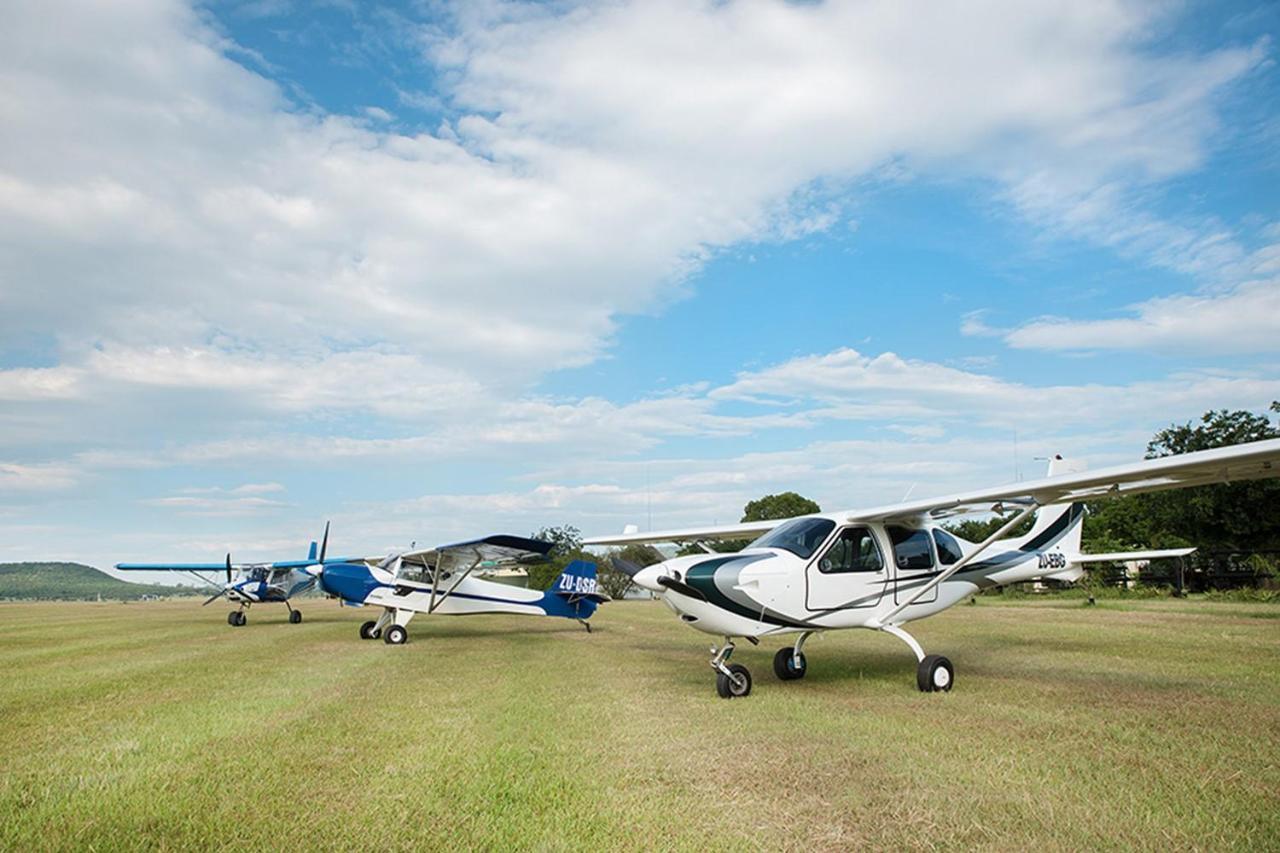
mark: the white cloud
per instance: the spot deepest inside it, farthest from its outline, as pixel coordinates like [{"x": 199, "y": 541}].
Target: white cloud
[
  {"x": 173, "y": 196},
  {"x": 847, "y": 385},
  {"x": 1245, "y": 319}
]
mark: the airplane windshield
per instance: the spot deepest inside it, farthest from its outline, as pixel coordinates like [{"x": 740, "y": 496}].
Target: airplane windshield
[{"x": 801, "y": 537}]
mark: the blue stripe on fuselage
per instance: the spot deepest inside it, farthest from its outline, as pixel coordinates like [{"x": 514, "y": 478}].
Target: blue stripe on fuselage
[{"x": 354, "y": 583}]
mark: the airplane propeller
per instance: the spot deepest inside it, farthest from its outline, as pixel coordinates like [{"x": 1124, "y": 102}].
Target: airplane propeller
[
  {"x": 211, "y": 599},
  {"x": 652, "y": 578}
]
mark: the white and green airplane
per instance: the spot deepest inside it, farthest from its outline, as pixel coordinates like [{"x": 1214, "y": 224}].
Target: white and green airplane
[{"x": 883, "y": 567}]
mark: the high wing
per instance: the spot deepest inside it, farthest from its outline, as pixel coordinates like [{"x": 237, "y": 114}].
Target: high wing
[
  {"x": 218, "y": 567},
  {"x": 692, "y": 534},
  {"x": 172, "y": 567},
  {"x": 1252, "y": 461},
  {"x": 490, "y": 549}
]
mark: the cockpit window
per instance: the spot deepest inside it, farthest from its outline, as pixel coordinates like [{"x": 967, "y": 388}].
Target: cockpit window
[
  {"x": 258, "y": 574},
  {"x": 911, "y": 548},
  {"x": 855, "y": 550},
  {"x": 801, "y": 537},
  {"x": 949, "y": 551}
]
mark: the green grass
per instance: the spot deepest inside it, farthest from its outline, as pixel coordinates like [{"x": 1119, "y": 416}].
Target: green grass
[{"x": 1134, "y": 724}]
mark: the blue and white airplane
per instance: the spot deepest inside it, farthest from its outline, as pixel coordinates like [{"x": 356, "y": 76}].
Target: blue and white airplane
[
  {"x": 247, "y": 584},
  {"x": 441, "y": 581}
]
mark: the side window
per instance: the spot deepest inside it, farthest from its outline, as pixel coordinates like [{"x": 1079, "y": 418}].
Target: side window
[
  {"x": 911, "y": 549},
  {"x": 949, "y": 551},
  {"x": 855, "y": 550}
]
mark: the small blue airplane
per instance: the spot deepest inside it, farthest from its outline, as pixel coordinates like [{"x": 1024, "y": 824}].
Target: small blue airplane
[
  {"x": 247, "y": 584},
  {"x": 440, "y": 581}
]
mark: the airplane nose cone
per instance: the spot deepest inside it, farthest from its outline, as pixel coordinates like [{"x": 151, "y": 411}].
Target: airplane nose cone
[
  {"x": 347, "y": 581},
  {"x": 648, "y": 578}
]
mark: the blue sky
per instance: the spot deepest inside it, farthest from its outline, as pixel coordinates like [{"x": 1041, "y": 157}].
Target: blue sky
[{"x": 431, "y": 269}]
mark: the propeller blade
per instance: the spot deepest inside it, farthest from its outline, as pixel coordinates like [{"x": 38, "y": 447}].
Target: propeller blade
[
  {"x": 627, "y": 567},
  {"x": 211, "y": 599},
  {"x": 681, "y": 587},
  {"x": 228, "y": 567},
  {"x": 324, "y": 543}
]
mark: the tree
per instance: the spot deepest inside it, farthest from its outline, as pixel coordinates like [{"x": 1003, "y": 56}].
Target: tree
[
  {"x": 614, "y": 583},
  {"x": 767, "y": 508},
  {"x": 566, "y": 546},
  {"x": 1227, "y": 517},
  {"x": 978, "y": 529},
  {"x": 784, "y": 505}
]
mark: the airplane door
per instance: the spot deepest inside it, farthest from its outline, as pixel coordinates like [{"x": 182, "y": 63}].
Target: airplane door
[
  {"x": 849, "y": 574},
  {"x": 913, "y": 563}
]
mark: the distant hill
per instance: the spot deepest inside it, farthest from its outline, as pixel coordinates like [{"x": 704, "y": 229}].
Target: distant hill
[{"x": 73, "y": 581}]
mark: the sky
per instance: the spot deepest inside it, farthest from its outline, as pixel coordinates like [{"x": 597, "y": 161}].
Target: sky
[{"x": 434, "y": 270}]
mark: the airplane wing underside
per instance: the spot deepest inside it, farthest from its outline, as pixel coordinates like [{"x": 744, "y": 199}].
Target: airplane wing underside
[{"x": 1252, "y": 461}]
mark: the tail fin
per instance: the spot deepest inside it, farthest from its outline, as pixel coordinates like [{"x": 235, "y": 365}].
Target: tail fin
[
  {"x": 578, "y": 580},
  {"x": 575, "y": 593},
  {"x": 1057, "y": 526}
]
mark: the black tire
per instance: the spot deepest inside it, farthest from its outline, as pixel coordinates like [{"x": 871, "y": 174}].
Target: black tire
[
  {"x": 784, "y": 665},
  {"x": 737, "y": 687},
  {"x": 395, "y": 636},
  {"x": 369, "y": 631},
  {"x": 295, "y": 616},
  {"x": 935, "y": 674},
  {"x": 231, "y": 618}
]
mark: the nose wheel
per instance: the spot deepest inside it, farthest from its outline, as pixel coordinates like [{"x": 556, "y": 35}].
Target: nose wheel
[
  {"x": 733, "y": 681},
  {"x": 237, "y": 618}
]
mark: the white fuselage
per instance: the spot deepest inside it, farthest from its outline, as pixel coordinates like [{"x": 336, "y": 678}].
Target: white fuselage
[{"x": 765, "y": 591}]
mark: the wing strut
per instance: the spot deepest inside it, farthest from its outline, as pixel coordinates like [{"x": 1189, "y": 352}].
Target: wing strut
[
  {"x": 964, "y": 561},
  {"x": 435, "y": 581}
]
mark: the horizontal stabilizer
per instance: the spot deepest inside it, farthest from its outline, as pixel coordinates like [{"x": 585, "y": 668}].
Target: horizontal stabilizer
[{"x": 1128, "y": 556}]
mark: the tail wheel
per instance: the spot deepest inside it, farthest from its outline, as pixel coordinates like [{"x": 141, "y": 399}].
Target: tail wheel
[
  {"x": 369, "y": 631},
  {"x": 935, "y": 674},
  {"x": 395, "y": 636},
  {"x": 734, "y": 685},
  {"x": 295, "y": 616},
  {"x": 785, "y": 665}
]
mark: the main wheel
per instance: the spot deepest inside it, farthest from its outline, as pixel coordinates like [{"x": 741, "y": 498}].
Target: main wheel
[
  {"x": 369, "y": 631},
  {"x": 395, "y": 636},
  {"x": 784, "y": 665},
  {"x": 735, "y": 685},
  {"x": 934, "y": 674},
  {"x": 295, "y": 616}
]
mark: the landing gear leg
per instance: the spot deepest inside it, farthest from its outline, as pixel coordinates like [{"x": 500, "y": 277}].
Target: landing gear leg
[
  {"x": 586, "y": 624},
  {"x": 295, "y": 616},
  {"x": 397, "y": 634},
  {"x": 789, "y": 664},
  {"x": 934, "y": 673},
  {"x": 732, "y": 680}
]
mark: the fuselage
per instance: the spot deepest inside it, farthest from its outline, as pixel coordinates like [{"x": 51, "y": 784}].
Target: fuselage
[
  {"x": 266, "y": 584},
  {"x": 359, "y": 583},
  {"x": 846, "y": 576}
]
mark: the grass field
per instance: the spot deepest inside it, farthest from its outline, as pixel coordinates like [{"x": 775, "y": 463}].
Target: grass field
[{"x": 1153, "y": 725}]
